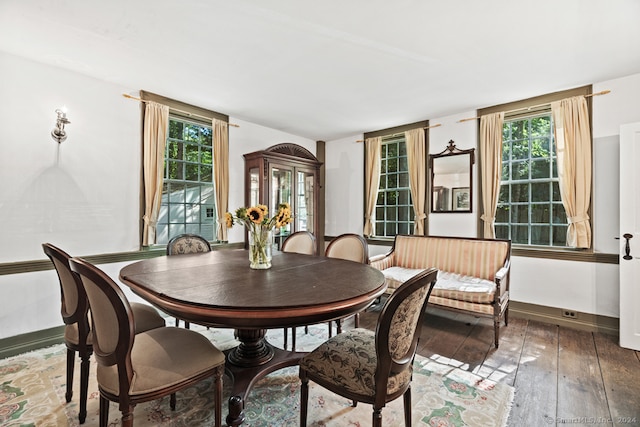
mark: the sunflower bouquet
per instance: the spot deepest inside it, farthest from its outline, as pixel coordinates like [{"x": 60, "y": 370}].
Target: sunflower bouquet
[{"x": 259, "y": 226}]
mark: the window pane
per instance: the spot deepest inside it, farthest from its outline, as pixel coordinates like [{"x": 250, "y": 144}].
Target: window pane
[
  {"x": 540, "y": 235},
  {"x": 540, "y": 147},
  {"x": 540, "y": 213},
  {"x": 403, "y": 228},
  {"x": 559, "y": 235},
  {"x": 520, "y": 234},
  {"x": 520, "y": 149},
  {"x": 520, "y": 214},
  {"x": 502, "y": 213},
  {"x": 540, "y": 169},
  {"x": 520, "y": 170},
  {"x": 559, "y": 214},
  {"x": 391, "y": 214},
  {"x": 191, "y": 172},
  {"x": 502, "y": 231},
  {"x": 519, "y": 193},
  {"x": 540, "y": 192}
]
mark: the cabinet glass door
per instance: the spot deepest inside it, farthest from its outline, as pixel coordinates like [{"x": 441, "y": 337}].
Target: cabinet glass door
[
  {"x": 254, "y": 187},
  {"x": 281, "y": 185},
  {"x": 304, "y": 208}
]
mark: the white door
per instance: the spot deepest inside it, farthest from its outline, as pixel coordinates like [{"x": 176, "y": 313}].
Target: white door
[{"x": 630, "y": 236}]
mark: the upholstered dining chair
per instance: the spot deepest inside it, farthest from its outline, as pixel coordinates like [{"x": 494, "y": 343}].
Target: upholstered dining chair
[
  {"x": 300, "y": 242},
  {"x": 373, "y": 367},
  {"x": 134, "y": 368},
  {"x": 187, "y": 244},
  {"x": 78, "y": 336},
  {"x": 350, "y": 247}
]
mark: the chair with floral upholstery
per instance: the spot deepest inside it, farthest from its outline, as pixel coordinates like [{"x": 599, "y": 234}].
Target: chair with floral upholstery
[
  {"x": 135, "y": 368},
  {"x": 78, "y": 335},
  {"x": 373, "y": 367},
  {"x": 183, "y": 244},
  {"x": 187, "y": 244}
]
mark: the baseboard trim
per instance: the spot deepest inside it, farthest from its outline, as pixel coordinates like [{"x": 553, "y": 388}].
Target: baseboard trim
[
  {"x": 31, "y": 341},
  {"x": 582, "y": 321}
]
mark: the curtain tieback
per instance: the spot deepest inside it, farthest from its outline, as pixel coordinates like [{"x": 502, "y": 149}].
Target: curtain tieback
[
  {"x": 487, "y": 218},
  {"x": 420, "y": 216},
  {"x": 148, "y": 222},
  {"x": 578, "y": 218}
]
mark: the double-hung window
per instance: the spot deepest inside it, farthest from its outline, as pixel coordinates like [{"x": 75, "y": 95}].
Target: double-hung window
[
  {"x": 394, "y": 209},
  {"x": 530, "y": 210},
  {"x": 188, "y": 201}
]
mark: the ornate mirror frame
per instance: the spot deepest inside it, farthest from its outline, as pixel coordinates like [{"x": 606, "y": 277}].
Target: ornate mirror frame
[{"x": 452, "y": 180}]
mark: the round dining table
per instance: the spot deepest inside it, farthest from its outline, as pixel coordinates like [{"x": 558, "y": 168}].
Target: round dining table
[{"x": 219, "y": 289}]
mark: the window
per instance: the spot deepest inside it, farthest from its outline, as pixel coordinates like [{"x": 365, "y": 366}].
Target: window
[
  {"x": 188, "y": 202},
  {"x": 530, "y": 210},
  {"x": 394, "y": 209}
]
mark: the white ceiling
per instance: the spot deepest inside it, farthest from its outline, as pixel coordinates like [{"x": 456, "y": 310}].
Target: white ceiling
[{"x": 333, "y": 68}]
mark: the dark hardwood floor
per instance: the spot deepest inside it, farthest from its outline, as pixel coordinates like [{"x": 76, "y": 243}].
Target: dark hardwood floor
[{"x": 561, "y": 376}]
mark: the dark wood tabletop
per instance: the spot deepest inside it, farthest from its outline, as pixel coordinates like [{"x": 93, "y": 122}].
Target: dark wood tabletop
[{"x": 219, "y": 289}]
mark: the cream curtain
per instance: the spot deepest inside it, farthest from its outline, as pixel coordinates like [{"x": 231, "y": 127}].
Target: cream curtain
[
  {"x": 573, "y": 149},
  {"x": 417, "y": 176},
  {"x": 221, "y": 175},
  {"x": 491, "y": 154},
  {"x": 373, "y": 147},
  {"x": 156, "y": 123}
]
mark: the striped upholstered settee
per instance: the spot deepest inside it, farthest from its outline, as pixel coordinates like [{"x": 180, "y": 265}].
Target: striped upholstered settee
[{"x": 473, "y": 274}]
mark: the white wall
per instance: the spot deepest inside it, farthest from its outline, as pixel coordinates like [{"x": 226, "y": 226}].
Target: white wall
[
  {"x": 84, "y": 194},
  {"x": 581, "y": 286}
]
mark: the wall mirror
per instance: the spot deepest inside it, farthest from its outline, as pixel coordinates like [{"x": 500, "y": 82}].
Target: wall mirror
[{"x": 452, "y": 179}]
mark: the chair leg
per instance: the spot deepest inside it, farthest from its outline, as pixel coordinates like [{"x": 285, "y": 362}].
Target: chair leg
[
  {"x": 172, "y": 401},
  {"x": 71, "y": 356},
  {"x": 330, "y": 329},
  {"x": 407, "y": 407},
  {"x": 187, "y": 325},
  {"x": 496, "y": 328},
  {"x": 293, "y": 339},
  {"x": 84, "y": 386},
  {"x": 218, "y": 380},
  {"x": 376, "y": 419},
  {"x": 127, "y": 417},
  {"x": 286, "y": 337},
  {"x": 357, "y": 320},
  {"x": 304, "y": 397},
  {"x": 104, "y": 411}
]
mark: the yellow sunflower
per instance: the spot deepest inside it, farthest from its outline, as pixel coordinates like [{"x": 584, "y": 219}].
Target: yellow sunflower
[
  {"x": 228, "y": 219},
  {"x": 255, "y": 214}
]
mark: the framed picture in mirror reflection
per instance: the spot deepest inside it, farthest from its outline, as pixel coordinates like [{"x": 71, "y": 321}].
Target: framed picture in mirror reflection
[{"x": 461, "y": 199}]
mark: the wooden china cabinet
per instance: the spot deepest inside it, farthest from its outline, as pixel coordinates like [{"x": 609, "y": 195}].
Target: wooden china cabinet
[{"x": 285, "y": 173}]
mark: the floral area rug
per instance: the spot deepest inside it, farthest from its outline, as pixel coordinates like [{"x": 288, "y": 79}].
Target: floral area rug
[{"x": 32, "y": 388}]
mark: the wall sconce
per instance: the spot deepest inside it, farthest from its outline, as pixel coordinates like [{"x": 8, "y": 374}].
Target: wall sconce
[{"x": 58, "y": 133}]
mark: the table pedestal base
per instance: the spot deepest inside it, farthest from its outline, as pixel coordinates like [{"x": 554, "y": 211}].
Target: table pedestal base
[{"x": 251, "y": 361}]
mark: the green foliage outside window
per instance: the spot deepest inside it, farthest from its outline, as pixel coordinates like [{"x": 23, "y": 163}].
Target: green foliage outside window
[{"x": 530, "y": 210}]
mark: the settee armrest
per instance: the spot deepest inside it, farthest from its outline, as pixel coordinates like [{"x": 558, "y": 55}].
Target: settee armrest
[
  {"x": 382, "y": 262},
  {"x": 502, "y": 279}
]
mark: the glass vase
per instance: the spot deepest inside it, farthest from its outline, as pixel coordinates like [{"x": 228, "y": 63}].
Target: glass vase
[{"x": 260, "y": 245}]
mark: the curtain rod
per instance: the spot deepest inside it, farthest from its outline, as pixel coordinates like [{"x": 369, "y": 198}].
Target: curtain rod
[
  {"x": 126, "y": 95},
  {"x": 604, "y": 92},
  {"x": 402, "y": 133}
]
